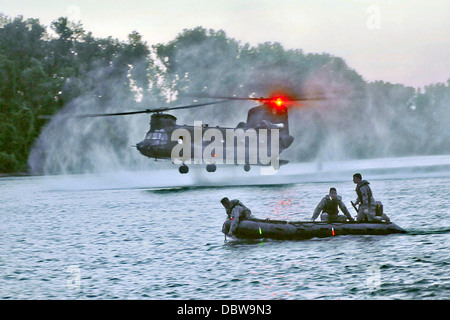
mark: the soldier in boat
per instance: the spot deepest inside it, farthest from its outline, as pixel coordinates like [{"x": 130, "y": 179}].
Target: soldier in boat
[
  {"x": 367, "y": 205},
  {"x": 329, "y": 206},
  {"x": 236, "y": 212}
]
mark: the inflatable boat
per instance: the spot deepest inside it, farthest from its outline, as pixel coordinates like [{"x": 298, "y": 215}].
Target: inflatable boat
[{"x": 300, "y": 230}]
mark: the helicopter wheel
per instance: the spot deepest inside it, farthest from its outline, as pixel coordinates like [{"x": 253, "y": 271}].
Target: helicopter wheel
[
  {"x": 246, "y": 167},
  {"x": 183, "y": 169},
  {"x": 211, "y": 167}
]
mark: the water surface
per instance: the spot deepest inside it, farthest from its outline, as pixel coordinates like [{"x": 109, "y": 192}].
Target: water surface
[{"x": 63, "y": 240}]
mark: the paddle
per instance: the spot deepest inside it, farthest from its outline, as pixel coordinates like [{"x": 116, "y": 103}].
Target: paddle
[{"x": 354, "y": 206}]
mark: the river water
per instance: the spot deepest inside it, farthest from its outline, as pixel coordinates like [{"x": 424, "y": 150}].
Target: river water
[{"x": 79, "y": 237}]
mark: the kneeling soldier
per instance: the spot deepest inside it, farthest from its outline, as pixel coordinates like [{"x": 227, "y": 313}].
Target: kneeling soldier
[{"x": 329, "y": 208}]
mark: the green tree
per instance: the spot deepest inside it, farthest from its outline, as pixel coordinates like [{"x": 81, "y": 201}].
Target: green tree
[{"x": 76, "y": 72}]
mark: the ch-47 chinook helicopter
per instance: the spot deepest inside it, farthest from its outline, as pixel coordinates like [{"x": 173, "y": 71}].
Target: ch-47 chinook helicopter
[{"x": 244, "y": 144}]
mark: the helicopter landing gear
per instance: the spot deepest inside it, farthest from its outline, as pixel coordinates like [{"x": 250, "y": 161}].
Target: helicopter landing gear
[
  {"x": 183, "y": 169},
  {"x": 246, "y": 167},
  {"x": 211, "y": 168}
]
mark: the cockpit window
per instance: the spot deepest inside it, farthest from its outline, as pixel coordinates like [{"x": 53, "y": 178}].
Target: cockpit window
[{"x": 158, "y": 136}]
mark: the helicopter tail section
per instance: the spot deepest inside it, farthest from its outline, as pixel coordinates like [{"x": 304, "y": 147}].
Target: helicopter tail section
[{"x": 269, "y": 116}]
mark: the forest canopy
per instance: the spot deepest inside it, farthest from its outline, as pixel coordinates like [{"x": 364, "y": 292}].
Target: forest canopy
[{"x": 73, "y": 71}]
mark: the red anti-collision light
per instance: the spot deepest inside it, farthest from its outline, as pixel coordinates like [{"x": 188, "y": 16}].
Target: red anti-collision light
[{"x": 277, "y": 102}]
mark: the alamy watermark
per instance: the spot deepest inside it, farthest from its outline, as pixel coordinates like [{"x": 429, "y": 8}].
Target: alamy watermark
[
  {"x": 373, "y": 280},
  {"x": 73, "y": 13},
  {"x": 73, "y": 281},
  {"x": 374, "y": 18},
  {"x": 221, "y": 149}
]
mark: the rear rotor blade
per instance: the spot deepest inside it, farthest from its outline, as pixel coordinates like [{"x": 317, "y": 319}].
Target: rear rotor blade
[{"x": 262, "y": 99}]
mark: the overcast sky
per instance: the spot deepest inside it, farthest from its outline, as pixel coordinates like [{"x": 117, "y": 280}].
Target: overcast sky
[{"x": 400, "y": 41}]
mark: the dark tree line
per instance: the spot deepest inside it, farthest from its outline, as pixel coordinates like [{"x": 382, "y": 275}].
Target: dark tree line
[{"x": 76, "y": 72}]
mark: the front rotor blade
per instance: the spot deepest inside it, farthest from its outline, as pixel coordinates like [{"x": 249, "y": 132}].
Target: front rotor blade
[
  {"x": 189, "y": 106},
  {"x": 93, "y": 115}
]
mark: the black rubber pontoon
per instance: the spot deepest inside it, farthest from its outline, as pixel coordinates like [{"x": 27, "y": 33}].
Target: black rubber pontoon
[{"x": 300, "y": 230}]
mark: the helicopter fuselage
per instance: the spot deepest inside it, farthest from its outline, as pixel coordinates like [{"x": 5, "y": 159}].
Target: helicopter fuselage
[{"x": 257, "y": 142}]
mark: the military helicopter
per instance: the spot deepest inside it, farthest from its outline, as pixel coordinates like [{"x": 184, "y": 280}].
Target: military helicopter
[{"x": 243, "y": 145}]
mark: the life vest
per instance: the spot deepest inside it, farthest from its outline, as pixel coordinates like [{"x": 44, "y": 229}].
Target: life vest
[
  {"x": 359, "y": 193},
  {"x": 331, "y": 205}
]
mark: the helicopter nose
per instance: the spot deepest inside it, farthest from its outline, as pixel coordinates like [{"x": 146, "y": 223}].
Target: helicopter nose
[{"x": 140, "y": 146}]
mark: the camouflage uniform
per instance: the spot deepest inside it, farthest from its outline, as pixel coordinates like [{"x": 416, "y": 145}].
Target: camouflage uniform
[
  {"x": 329, "y": 206},
  {"x": 237, "y": 212},
  {"x": 367, "y": 208}
]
